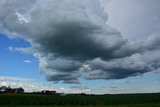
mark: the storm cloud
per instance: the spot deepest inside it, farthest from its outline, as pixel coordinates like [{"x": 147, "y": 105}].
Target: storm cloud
[{"x": 71, "y": 39}]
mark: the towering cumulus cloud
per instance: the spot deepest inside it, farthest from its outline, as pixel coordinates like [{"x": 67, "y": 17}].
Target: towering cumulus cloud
[{"x": 71, "y": 39}]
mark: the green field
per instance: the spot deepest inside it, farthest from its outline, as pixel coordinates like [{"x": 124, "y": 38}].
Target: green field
[
  {"x": 133, "y": 105},
  {"x": 128, "y": 100}
]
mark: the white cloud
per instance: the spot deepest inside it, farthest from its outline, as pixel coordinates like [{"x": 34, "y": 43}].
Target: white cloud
[
  {"x": 21, "y": 18},
  {"x": 137, "y": 24},
  {"x": 11, "y": 49},
  {"x": 27, "y": 84},
  {"x": 27, "y": 61},
  {"x": 8, "y": 78},
  {"x": 27, "y": 50},
  {"x": 72, "y": 89}
]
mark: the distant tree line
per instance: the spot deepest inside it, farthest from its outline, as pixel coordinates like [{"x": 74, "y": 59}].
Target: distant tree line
[
  {"x": 45, "y": 92},
  {"x": 20, "y": 90},
  {"x": 5, "y": 89}
]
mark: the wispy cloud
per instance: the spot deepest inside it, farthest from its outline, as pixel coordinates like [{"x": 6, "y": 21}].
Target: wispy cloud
[
  {"x": 26, "y": 50},
  {"x": 9, "y": 78},
  {"x": 27, "y": 61},
  {"x": 10, "y": 49}
]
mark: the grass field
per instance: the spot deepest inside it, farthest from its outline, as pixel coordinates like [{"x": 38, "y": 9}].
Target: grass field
[
  {"x": 132, "y": 105},
  {"x": 128, "y": 100}
]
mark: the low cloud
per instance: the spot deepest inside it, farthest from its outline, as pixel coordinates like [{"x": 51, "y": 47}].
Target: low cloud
[
  {"x": 71, "y": 39},
  {"x": 79, "y": 87},
  {"x": 27, "y": 84},
  {"x": 134, "y": 65},
  {"x": 75, "y": 89}
]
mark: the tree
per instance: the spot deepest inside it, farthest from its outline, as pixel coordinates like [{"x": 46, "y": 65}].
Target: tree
[
  {"x": 48, "y": 92},
  {"x": 5, "y": 89},
  {"x": 19, "y": 90}
]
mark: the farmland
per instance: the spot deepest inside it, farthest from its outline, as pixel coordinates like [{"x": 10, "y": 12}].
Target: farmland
[{"x": 126, "y": 100}]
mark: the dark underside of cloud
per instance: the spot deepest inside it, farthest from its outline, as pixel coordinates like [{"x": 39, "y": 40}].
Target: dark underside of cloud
[{"x": 71, "y": 39}]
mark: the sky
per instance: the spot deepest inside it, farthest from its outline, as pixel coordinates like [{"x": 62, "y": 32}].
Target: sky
[{"x": 80, "y": 46}]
